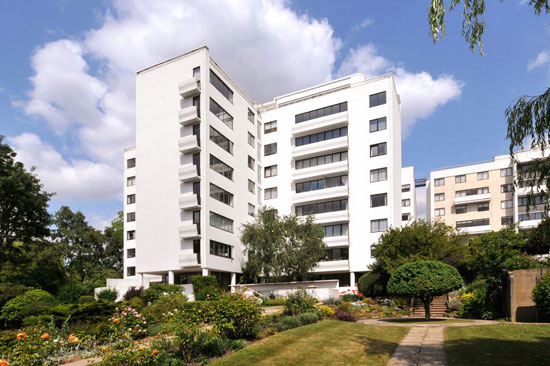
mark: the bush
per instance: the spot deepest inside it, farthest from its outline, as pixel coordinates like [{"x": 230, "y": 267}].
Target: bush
[
  {"x": 274, "y": 302},
  {"x": 288, "y": 322},
  {"x": 308, "y": 318},
  {"x": 133, "y": 292},
  {"x": 10, "y": 290},
  {"x": 28, "y": 303},
  {"x": 86, "y": 299},
  {"x": 299, "y": 302},
  {"x": 158, "y": 290},
  {"x": 157, "y": 312},
  {"x": 206, "y": 288},
  {"x": 327, "y": 311},
  {"x": 371, "y": 284},
  {"x": 520, "y": 261},
  {"x": 345, "y": 315},
  {"x": 109, "y": 295},
  {"x": 128, "y": 323},
  {"x": 71, "y": 292},
  {"x": 476, "y": 301},
  {"x": 541, "y": 296}
]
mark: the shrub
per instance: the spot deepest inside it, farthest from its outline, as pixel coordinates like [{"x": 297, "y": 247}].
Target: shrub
[
  {"x": 158, "y": 290},
  {"x": 288, "y": 322},
  {"x": 308, "y": 318},
  {"x": 345, "y": 315},
  {"x": 28, "y": 303},
  {"x": 107, "y": 294},
  {"x": 133, "y": 292},
  {"x": 86, "y": 299},
  {"x": 299, "y": 302},
  {"x": 128, "y": 323},
  {"x": 10, "y": 290},
  {"x": 371, "y": 284},
  {"x": 70, "y": 293},
  {"x": 346, "y": 306},
  {"x": 160, "y": 309},
  {"x": 274, "y": 302},
  {"x": 351, "y": 295},
  {"x": 368, "y": 301},
  {"x": 520, "y": 261},
  {"x": 206, "y": 288},
  {"x": 541, "y": 296},
  {"x": 476, "y": 302},
  {"x": 327, "y": 311}
]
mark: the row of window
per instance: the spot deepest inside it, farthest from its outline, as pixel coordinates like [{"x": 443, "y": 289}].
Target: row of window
[
  {"x": 472, "y": 192},
  {"x": 471, "y": 223},
  {"x": 335, "y": 230},
  {"x": 221, "y": 222},
  {"x": 221, "y": 140},
  {"x": 505, "y": 172},
  {"x": 322, "y": 160},
  {"x": 321, "y": 184},
  {"x": 220, "y": 167},
  {"x": 336, "y": 254},
  {"x": 221, "y": 113},
  {"x": 462, "y": 209},
  {"x": 321, "y": 207},
  {"x": 321, "y": 112},
  {"x": 321, "y": 136},
  {"x": 536, "y": 200},
  {"x": 531, "y": 216}
]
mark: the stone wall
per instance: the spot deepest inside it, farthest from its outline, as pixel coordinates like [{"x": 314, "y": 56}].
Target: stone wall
[{"x": 519, "y": 305}]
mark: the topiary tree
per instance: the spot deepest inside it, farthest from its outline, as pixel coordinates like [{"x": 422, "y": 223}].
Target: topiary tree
[
  {"x": 541, "y": 296},
  {"x": 424, "y": 280}
]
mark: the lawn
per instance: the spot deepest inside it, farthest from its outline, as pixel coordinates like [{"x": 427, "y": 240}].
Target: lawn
[
  {"x": 413, "y": 321},
  {"x": 500, "y": 344},
  {"x": 329, "y": 342}
]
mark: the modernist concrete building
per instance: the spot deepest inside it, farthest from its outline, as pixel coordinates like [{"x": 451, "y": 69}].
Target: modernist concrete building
[
  {"x": 480, "y": 197},
  {"x": 408, "y": 196}
]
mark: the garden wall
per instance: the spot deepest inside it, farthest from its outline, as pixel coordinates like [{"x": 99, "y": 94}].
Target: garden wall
[
  {"x": 519, "y": 305},
  {"x": 322, "y": 290}
]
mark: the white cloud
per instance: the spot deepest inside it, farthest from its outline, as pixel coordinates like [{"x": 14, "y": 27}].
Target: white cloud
[
  {"x": 367, "y": 22},
  {"x": 543, "y": 58},
  {"x": 421, "y": 93}
]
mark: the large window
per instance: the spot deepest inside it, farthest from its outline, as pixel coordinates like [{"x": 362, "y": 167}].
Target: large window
[
  {"x": 220, "y": 167},
  {"x": 377, "y": 99},
  {"x": 536, "y": 200},
  {"x": 251, "y": 139},
  {"x": 378, "y": 124},
  {"x": 506, "y": 220},
  {"x": 323, "y": 183},
  {"x": 460, "y": 178},
  {"x": 483, "y": 206},
  {"x": 472, "y": 192},
  {"x": 221, "y": 140},
  {"x": 378, "y": 200},
  {"x": 221, "y": 195},
  {"x": 337, "y": 254},
  {"x": 507, "y": 204},
  {"x": 131, "y": 181},
  {"x": 322, "y": 207},
  {"x": 251, "y": 163},
  {"x": 251, "y": 209},
  {"x": 439, "y": 212},
  {"x": 251, "y": 186},
  {"x": 270, "y": 193},
  {"x": 131, "y": 163},
  {"x": 335, "y": 230},
  {"x": 270, "y": 149},
  {"x": 439, "y": 197},
  {"x": 321, "y": 112},
  {"x": 270, "y": 127},
  {"x": 531, "y": 216},
  {"x": 221, "y": 86},
  {"x": 379, "y": 225},
  {"x": 378, "y": 149},
  {"x": 219, "y": 112},
  {"x": 439, "y": 182},
  {"x": 461, "y": 209},
  {"x": 130, "y": 199},
  {"x": 130, "y": 217},
  {"x": 482, "y": 175},
  {"x": 321, "y": 160},
  {"x": 220, "y": 249},
  {"x": 251, "y": 116},
  {"x": 377, "y": 175},
  {"x": 471, "y": 223},
  {"x": 322, "y": 136},
  {"x": 270, "y": 171},
  {"x": 506, "y": 188},
  {"x": 506, "y": 172},
  {"x": 221, "y": 222}
]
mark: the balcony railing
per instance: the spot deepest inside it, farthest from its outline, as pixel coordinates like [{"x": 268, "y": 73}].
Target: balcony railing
[
  {"x": 189, "y": 201},
  {"x": 189, "y": 115},
  {"x": 189, "y": 144},
  {"x": 189, "y": 87},
  {"x": 189, "y": 260},
  {"x": 189, "y": 173}
]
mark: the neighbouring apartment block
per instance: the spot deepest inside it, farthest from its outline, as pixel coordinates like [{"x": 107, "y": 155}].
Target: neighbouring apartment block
[{"x": 408, "y": 196}]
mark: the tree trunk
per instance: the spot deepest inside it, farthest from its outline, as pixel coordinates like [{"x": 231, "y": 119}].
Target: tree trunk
[{"x": 426, "y": 308}]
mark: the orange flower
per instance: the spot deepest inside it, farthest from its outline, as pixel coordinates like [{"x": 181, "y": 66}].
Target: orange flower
[
  {"x": 4, "y": 363},
  {"x": 72, "y": 338},
  {"x": 45, "y": 336},
  {"x": 155, "y": 351},
  {"x": 22, "y": 336},
  {"x": 116, "y": 320},
  {"x": 35, "y": 329},
  {"x": 105, "y": 349}
]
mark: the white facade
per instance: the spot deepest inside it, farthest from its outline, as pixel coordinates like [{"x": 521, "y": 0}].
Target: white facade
[{"x": 408, "y": 196}]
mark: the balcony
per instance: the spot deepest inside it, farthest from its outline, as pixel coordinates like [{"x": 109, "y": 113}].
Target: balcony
[
  {"x": 327, "y": 146},
  {"x": 189, "y": 173},
  {"x": 529, "y": 224},
  {"x": 473, "y": 198},
  {"x": 336, "y": 241},
  {"x": 189, "y": 201},
  {"x": 189, "y": 87},
  {"x": 332, "y": 266},
  {"x": 320, "y": 170},
  {"x": 189, "y": 116},
  {"x": 328, "y": 217},
  {"x": 188, "y": 230},
  {"x": 322, "y": 123},
  {"x": 189, "y": 260},
  {"x": 477, "y": 229},
  {"x": 189, "y": 144},
  {"x": 320, "y": 194}
]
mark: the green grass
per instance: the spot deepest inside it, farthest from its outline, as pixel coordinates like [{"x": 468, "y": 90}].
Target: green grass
[
  {"x": 413, "y": 321},
  {"x": 500, "y": 344},
  {"x": 329, "y": 342}
]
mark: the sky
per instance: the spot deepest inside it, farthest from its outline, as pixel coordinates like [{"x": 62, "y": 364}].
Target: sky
[{"x": 67, "y": 75}]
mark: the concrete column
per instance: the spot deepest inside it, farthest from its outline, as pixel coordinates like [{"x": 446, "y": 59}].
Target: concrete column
[
  {"x": 205, "y": 271},
  {"x": 140, "y": 279},
  {"x": 233, "y": 281},
  {"x": 171, "y": 277},
  {"x": 352, "y": 279}
]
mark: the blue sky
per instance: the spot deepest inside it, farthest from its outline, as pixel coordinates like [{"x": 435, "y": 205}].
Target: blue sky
[{"x": 66, "y": 75}]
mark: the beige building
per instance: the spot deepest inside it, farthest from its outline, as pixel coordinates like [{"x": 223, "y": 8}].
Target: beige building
[{"x": 480, "y": 197}]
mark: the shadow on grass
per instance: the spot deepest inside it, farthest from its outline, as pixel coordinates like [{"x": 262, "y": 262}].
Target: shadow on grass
[{"x": 379, "y": 347}]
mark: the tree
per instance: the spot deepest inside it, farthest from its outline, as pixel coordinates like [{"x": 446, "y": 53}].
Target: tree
[
  {"x": 280, "y": 248},
  {"x": 538, "y": 239},
  {"x": 424, "y": 280},
  {"x": 419, "y": 241},
  {"x": 114, "y": 243}
]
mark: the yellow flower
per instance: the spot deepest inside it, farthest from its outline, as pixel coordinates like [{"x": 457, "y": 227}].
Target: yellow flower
[
  {"x": 22, "y": 335},
  {"x": 141, "y": 348},
  {"x": 45, "y": 336}
]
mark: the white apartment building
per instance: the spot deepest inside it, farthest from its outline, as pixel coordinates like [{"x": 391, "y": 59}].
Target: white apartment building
[
  {"x": 408, "y": 196},
  {"x": 480, "y": 197}
]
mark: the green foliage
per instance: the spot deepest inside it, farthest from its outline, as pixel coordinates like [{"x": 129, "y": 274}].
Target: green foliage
[
  {"x": 114, "y": 242},
  {"x": 128, "y": 323},
  {"x": 541, "y": 296},
  {"x": 25, "y": 304},
  {"x": 281, "y": 248},
  {"x": 133, "y": 292},
  {"x": 158, "y": 312},
  {"x": 206, "y": 288},
  {"x": 424, "y": 280},
  {"x": 71, "y": 292},
  {"x": 288, "y": 322},
  {"x": 309, "y": 318},
  {"x": 299, "y": 302},
  {"x": 157, "y": 290},
  {"x": 520, "y": 261},
  {"x": 10, "y": 290},
  {"x": 109, "y": 295},
  {"x": 372, "y": 284},
  {"x": 538, "y": 239},
  {"x": 274, "y": 302},
  {"x": 85, "y": 299}
]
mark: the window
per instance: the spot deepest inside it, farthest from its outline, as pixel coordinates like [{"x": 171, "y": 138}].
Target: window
[
  {"x": 439, "y": 212},
  {"x": 506, "y": 172},
  {"x": 220, "y": 194},
  {"x": 197, "y": 162},
  {"x": 335, "y": 230},
  {"x": 251, "y": 163},
  {"x": 321, "y": 112},
  {"x": 219, "y": 112},
  {"x": 197, "y": 217},
  {"x": 460, "y": 178},
  {"x": 377, "y": 175},
  {"x": 378, "y": 149},
  {"x": 251, "y": 209},
  {"x": 131, "y": 163},
  {"x": 270, "y": 171},
  {"x": 314, "y": 185},
  {"x": 439, "y": 182},
  {"x": 251, "y": 139},
  {"x": 483, "y": 206},
  {"x": 507, "y": 204},
  {"x": 221, "y": 140},
  {"x": 130, "y": 199},
  {"x": 130, "y": 271},
  {"x": 131, "y": 181},
  {"x": 251, "y": 116},
  {"x": 130, "y": 217},
  {"x": 322, "y": 160},
  {"x": 322, "y": 207},
  {"x": 379, "y": 225},
  {"x": 405, "y": 217},
  {"x": 482, "y": 175},
  {"x": 378, "y": 200},
  {"x": 131, "y": 253},
  {"x": 506, "y": 220},
  {"x": 531, "y": 216},
  {"x": 270, "y": 127},
  {"x": 406, "y": 188},
  {"x": 378, "y": 124},
  {"x": 439, "y": 197},
  {"x": 220, "y": 249},
  {"x": 251, "y": 186},
  {"x": 377, "y": 99},
  {"x": 270, "y": 193},
  {"x": 321, "y": 136},
  {"x": 220, "y": 167},
  {"x": 406, "y": 202},
  {"x": 336, "y": 254},
  {"x": 506, "y": 188},
  {"x": 221, "y": 86},
  {"x": 461, "y": 209},
  {"x": 536, "y": 200},
  {"x": 130, "y": 235},
  {"x": 221, "y": 222},
  {"x": 197, "y": 73},
  {"x": 472, "y": 192},
  {"x": 270, "y": 149},
  {"x": 471, "y": 223}
]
